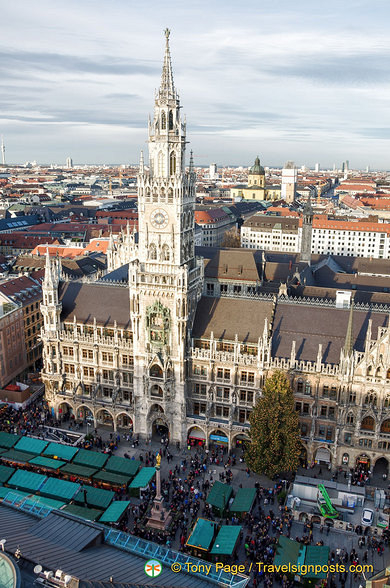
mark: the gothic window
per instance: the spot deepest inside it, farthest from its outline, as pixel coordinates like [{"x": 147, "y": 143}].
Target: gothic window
[
  {"x": 352, "y": 397},
  {"x": 370, "y": 398},
  {"x": 170, "y": 195},
  {"x": 152, "y": 251},
  {"x": 385, "y": 427},
  {"x": 300, "y": 386},
  {"x": 156, "y": 371},
  {"x": 369, "y": 370},
  {"x": 368, "y": 424},
  {"x": 163, "y": 121},
  {"x": 378, "y": 373},
  {"x": 172, "y": 164},
  {"x": 386, "y": 403},
  {"x": 170, "y": 120},
  {"x": 157, "y": 391},
  {"x": 350, "y": 419},
  {"x": 388, "y": 374},
  {"x": 165, "y": 253},
  {"x": 307, "y": 388},
  {"x": 161, "y": 166}
]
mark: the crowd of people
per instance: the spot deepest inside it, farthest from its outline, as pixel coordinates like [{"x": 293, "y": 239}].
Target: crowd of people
[{"x": 185, "y": 487}]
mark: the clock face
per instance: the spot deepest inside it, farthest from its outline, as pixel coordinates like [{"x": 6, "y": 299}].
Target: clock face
[{"x": 159, "y": 218}]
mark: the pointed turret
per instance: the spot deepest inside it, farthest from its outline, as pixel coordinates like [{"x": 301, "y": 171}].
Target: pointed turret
[
  {"x": 141, "y": 163},
  {"x": 191, "y": 167},
  {"x": 48, "y": 280},
  {"x": 348, "y": 345},
  {"x": 167, "y": 87}
]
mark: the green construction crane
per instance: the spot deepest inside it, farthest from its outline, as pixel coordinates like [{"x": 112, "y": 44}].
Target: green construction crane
[{"x": 324, "y": 504}]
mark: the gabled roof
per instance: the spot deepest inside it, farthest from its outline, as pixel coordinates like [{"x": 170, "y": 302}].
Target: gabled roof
[{"x": 106, "y": 303}]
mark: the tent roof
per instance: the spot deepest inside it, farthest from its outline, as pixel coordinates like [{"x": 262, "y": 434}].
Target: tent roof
[
  {"x": 226, "y": 540},
  {"x": 113, "y": 478},
  {"x": 114, "y": 512},
  {"x": 65, "y": 452},
  {"x": 91, "y": 514},
  {"x": 46, "y": 462},
  {"x": 27, "y": 480},
  {"x": 243, "y": 500},
  {"x": 5, "y": 473},
  {"x": 19, "y": 456},
  {"x": 13, "y": 493},
  {"x": 31, "y": 445},
  {"x": 7, "y": 439},
  {"x": 121, "y": 465},
  {"x": 90, "y": 458},
  {"x": 219, "y": 495},
  {"x": 202, "y": 534},
  {"x": 78, "y": 470},
  {"x": 94, "y": 496},
  {"x": 143, "y": 478},
  {"x": 60, "y": 489}
]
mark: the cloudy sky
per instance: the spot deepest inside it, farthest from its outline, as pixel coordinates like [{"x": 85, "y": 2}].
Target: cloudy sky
[{"x": 304, "y": 80}]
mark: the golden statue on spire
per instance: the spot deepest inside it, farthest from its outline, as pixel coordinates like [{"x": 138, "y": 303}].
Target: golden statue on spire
[{"x": 158, "y": 460}]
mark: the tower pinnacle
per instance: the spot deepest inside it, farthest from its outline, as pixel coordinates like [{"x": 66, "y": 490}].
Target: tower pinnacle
[{"x": 167, "y": 87}]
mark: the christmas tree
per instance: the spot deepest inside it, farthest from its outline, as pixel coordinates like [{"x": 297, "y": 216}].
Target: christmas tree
[{"x": 275, "y": 436}]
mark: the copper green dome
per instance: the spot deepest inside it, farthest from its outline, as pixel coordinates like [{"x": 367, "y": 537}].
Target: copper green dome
[{"x": 257, "y": 169}]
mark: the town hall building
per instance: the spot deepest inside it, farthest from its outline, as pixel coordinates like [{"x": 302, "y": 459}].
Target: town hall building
[{"x": 182, "y": 345}]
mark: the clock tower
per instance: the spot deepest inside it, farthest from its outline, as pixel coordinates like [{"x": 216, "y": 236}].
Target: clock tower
[{"x": 165, "y": 278}]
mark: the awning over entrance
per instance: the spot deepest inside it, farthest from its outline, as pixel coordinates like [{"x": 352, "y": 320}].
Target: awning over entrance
[
  {"x": 196, "y": 433},
  {"x": 323, "y": 454}
]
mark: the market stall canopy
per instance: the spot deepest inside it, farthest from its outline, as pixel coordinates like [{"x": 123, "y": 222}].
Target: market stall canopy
[
  {"x": 226, "y": 540},
  {"x": 65, "y": 452},
  {"x": 31, "y": 445},
  {"x": 60, "y": 489},
  {"x": 90, "y": 459},
  {"x": 25, "y": 480},
  {"x": 114, "y": 512}
]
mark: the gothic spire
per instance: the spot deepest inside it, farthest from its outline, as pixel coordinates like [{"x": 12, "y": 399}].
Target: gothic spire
[
  {"x": 348, "y": 345},
  {"x": 167, "y": 87},
  {"x": 48, "y": 270}
]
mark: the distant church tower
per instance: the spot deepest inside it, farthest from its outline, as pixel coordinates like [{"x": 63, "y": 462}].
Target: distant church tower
[
  {"x": 289, "y": 180},
  {"x": 2, "y": 151},
  {"x": 307, "y": 228},
  {"x": 256, "y": 176},
  {"x": 165, "y": 279}
]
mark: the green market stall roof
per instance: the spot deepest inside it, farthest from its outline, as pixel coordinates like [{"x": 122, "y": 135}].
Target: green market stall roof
[
  {"x": 59, "y": 489},
  {"x": 31, "y": 445},
  {"x": 74, "y": 469},
  {"x": 219, "y": 495},
  {"x": 44, "y": 500},
  {"x": 226, "y": 540},
  {"x": 7, "y": 440},
  {"x": 46, "y": 462},
  {"x": 96, "y": 497},
  {"x": 25, "y": 480},
  {"x": 202, "y": 534},
  {"x": 114, "y": 512},
  {"x": 10, "y": 493},
  {"x": 91, "y": 459},
  {"x": 65, "y": 452},
  {"x": 294, "y": 553},
  {"x": 17, "y": 456},
  {"x": 91, "y": 514},
  {"x": 243, "y": 500},
  {"x": 5, "y": 473},
  {"x": 123, "y": 466},
  {"x": 111, "y": 478},
  {"x": 143, "y": 478}
]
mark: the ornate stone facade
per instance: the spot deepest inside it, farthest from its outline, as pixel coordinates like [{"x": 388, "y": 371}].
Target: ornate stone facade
[{"x": 173, "y": 353}]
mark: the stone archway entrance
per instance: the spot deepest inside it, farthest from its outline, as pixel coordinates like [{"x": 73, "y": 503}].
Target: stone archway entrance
[
  {"x": 105, "y": 419},
  {"x": 158, "y": 423},
  {"x": 124, "y": 422},
  {"x": 381, "y": 468},
  {"x": 65, "y": 412}
]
